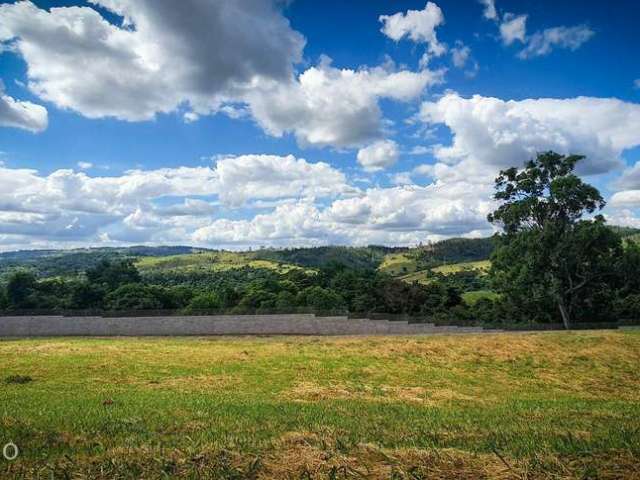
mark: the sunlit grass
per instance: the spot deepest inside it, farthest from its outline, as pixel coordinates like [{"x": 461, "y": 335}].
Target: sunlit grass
[
  {"x": 480, "y": 265},
  {"x": 398, "y": 264},
  {"x": 566, "y": 401},
  {"x": 208, "y": 262},
  {"x": 470, "y": 298}
]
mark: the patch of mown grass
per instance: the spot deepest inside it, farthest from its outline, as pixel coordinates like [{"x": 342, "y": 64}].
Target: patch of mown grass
[{"x": 565, "y": 403}]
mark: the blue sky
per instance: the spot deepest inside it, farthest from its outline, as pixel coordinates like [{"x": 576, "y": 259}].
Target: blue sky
[{"x": 387, "y": 145}]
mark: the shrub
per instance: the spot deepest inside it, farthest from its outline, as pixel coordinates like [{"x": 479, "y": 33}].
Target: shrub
[
  {"x": 628, "y": 308},
  {"x": 204, "y": 302},
  {"x": 135, "y": 296}
]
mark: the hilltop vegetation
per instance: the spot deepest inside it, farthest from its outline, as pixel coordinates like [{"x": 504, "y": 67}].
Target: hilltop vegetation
[
  {"x": 53, "y": 263},
  {"x": 420, "y": 281},
  {"x": 208, "y": 261}
]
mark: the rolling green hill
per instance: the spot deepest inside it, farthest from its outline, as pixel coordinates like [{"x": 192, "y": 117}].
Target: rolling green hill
[
  {"x": 410, "y": 264},
  {"x": 317, "y": 257},
  {"x": 209, "y": 262},
  {"x": 53, "y": 263},
  {"x": 422, "y": 276}
]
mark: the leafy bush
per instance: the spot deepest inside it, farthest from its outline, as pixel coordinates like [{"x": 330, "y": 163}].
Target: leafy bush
[
  {"x": 628, "y": 308},
  {"x": 205, "y": 302},
  {"x": 135, "y": 296}
]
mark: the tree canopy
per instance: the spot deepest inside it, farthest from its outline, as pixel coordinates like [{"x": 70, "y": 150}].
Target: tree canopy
[{"x": 549, "y": 259}]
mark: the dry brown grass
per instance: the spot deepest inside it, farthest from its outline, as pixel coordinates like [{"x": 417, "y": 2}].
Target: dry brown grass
[{"x": 301, "y": 455}]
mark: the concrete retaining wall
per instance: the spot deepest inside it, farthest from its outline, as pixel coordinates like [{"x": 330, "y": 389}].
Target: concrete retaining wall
[{"x": 296, "y": 324}]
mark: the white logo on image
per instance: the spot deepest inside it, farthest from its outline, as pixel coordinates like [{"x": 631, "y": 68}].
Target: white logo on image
[{"x": 10, "y": 451}]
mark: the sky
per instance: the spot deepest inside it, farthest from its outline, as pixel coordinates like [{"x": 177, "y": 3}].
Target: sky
[{"x": 264, "y": 123}]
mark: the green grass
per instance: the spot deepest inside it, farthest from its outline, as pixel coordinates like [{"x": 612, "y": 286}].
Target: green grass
[
  {"x": 481, "y": 265},
  {"x": 209, "y": 262},
  {"x": 398, "y": 264},
  {"x": 472, "y": 297},
  {"x": 565, "y": 403},
  {"x": 424, "y": 276}
]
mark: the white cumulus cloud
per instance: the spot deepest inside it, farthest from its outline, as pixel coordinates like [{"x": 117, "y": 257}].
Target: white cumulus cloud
[
  {"x": 75, "y": 206},
  {"x": 19, "y": 114},
  {"x": 490, "y": 133},
  {"x": 379, "y": 155},
  {"x": 327, "y": 106},
  {"x": 417, "y": 25},
  {"x": 162, "y": 55}
]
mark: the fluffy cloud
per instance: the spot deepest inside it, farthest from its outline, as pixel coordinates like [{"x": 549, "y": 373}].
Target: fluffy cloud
[
  {"x": 543, "y": 43},
  {"x": 72, "y": 205},
  {"x": 630, "y": 178},
  {"x": 379, "y": 155},
  {"x": 398, "y": 215},
  {"x": 624, "y": 218},
  {"x": 200, "y": 58},
  {"x": 489, "y": 133},
  {"x": 270, "y": 177},
  {"x": 489, "y": 11},
  {"x": 625, "y": 198},
  {"x": 24, "y": 115},
  {"x": 310, "y": 204},
  {"x": 629, "y": 185},
  {"x": 161, "y": 56},
  {"x": 327, "y": 106},
  {"x": 417, "y": 25},
  {"x": 513, "y": 27}
]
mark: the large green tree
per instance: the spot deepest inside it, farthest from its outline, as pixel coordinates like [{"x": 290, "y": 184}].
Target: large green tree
[{"x": 549, "y": 260}]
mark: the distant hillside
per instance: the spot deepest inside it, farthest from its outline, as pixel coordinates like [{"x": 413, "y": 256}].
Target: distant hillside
[
  {"x": 316, "y": 257},
  {"x": 408, "y": 263},
  {"x": 424, "y": 257},
  {"x": 208, "y": 261},
  {"x": 51, "y": 263}
]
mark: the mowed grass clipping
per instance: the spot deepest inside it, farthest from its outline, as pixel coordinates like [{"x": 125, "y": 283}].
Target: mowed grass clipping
[{"x": 543, "y": 405}]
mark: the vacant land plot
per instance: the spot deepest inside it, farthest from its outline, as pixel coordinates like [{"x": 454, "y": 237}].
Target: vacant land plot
[{"x": 548, "y": 405}]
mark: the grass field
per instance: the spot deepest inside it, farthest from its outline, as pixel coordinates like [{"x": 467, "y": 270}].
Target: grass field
[
  {"x": 473, "y": 296},
  {"x": 423, "y": 276},
  {"x": 398, "y": 264},
  {"x": 208, "y": 261},
  {"x": 481, "y": 265},
  {"x": 545, "y": 405}
]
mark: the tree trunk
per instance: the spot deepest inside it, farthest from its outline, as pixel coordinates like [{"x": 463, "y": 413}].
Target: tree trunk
[{"x": 565, "y": 314}]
